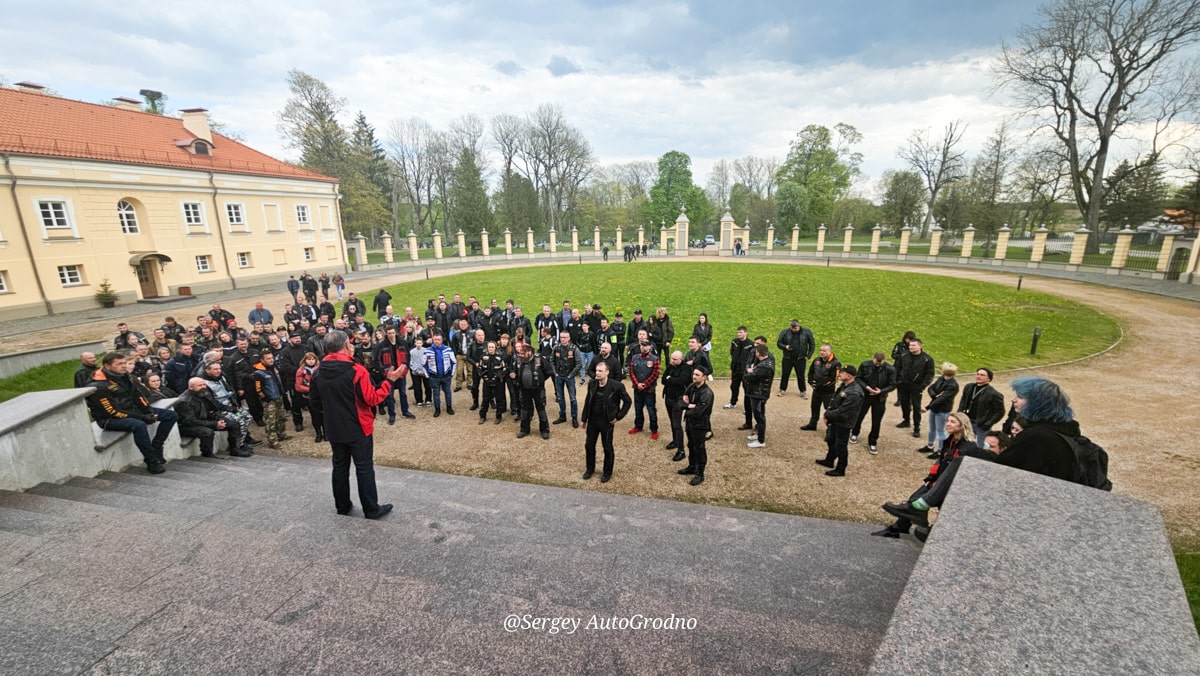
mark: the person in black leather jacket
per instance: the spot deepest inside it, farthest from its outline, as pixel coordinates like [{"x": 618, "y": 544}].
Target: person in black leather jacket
[
  {"x": 840, "y": 416},
  {"x": 877, "y": 378},
  {"x": 606, "y": 403}
]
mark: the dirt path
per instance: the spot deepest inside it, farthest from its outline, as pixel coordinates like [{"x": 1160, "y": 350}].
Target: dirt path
[{"x": 1136, "y": 401}]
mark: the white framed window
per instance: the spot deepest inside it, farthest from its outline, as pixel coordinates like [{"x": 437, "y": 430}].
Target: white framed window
[
  {"x": 3, "y": 281},
  {"x": 70, "y": 275},
  {"x": 244, "y": 259},
  {"x": 204, "y": 264},
  {"x": 193, "y": 218},
  {"x": 54, "y": 215},
  {"x": 303, "y": 217},
  {"x": 309, "y": 254},
  {"x": 235, "y": 215},
  {"x": 127, "y": 214}
]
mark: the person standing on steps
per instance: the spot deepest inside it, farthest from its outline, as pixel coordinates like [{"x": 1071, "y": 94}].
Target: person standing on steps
[
  {"x": 347, "y": 397},
  {"x": 698, "y": 398},
  {"x": 606, "y": 403}
]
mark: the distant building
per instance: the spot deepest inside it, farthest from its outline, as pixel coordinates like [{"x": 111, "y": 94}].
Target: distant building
[{"x": 158, "y": 206}]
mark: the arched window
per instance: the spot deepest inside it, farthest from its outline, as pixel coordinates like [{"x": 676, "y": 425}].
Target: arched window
[{"x": 128, "y": 216}]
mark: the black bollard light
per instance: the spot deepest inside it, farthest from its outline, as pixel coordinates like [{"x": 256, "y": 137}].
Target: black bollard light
[
  {"x": 1020, "y": 278},
  {"x": 1037, "y": 333}
]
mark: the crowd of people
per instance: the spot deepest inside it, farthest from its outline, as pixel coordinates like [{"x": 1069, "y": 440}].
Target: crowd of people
[{"x": 231, "y": 378}]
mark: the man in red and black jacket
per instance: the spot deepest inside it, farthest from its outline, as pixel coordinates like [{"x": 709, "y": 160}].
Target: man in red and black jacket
[{"x": 343, "y": 391}]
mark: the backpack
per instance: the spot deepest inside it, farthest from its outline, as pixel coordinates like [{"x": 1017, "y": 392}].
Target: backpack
[{"x": 1091, "y": 462}]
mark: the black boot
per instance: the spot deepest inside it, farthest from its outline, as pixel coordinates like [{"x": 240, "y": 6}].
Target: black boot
[
  {"x": 299, "y": 426},
  {"x": 698, "y": 479},
  {"x": 320, "y": 435}
]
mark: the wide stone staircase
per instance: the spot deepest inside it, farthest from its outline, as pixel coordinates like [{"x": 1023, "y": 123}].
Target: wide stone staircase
[{"x": 242, "y": 566}]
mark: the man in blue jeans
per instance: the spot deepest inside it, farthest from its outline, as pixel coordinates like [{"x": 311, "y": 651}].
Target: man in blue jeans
[
  {"x": 117, "y": 405},
  {"x": 439, "y": 366},
  {"x": 567, "y": 364}
]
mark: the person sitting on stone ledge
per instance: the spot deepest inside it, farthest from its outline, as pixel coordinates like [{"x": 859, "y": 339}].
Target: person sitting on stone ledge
[
  {"x": 87, "y": 367},
  {"x": 959, "y": 442},
  {"x": 201, "y": 416},
  {"x": 1047, "y": 425},
  {"x": 116, "y": 405}
]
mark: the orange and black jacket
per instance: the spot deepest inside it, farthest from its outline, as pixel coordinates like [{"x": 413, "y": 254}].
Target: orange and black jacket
[{"x": 115, "y": 396}]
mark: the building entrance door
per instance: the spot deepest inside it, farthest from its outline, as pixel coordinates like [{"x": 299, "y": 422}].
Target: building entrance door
[{"x": 145, "y": 275}]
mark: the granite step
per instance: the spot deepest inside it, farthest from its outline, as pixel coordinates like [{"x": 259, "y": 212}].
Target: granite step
[
  {"x": 177, "y": 490},
  {"x": 193, "y": 509}
]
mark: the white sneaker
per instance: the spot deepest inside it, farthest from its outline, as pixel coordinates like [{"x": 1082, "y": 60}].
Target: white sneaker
[
  {"x": 781, "y": 393},
  {"x": 730, "y": 405},
  {"x": 752, "y": 437},
  {"x": 756, "y": 444},
  {"x": 854, "y": 438},
  {"x": 873, "y": 449},
  {"x": 804, "y": 395}
]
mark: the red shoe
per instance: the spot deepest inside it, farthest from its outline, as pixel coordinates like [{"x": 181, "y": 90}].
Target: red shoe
[
  {"x": 634, "y": 430},
  {"x": 654, "y": 436}
]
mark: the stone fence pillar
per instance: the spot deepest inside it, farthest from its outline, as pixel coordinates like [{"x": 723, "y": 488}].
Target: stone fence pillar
[
  {"x": 1002, "y": 237},
  {"x": 1079, "y": 246},
  {"x": 968, "y": 242},
  {"x": 1164, "y": 255},
  {"x": 847, "y": 239},
  {"x": 507, "y": 243},
  {"x": 770, "y": 237},
  {"x": 553, "y": 241},
  {"x": 486, "y": 243},
  {"x": 529, "y": 241},
  {"x": 575, "y": 239},
  {"x": 821, "y": 238},
  {"x": 388, "y": 254},
  {"x": 795, "y": 238},
  {"x": 905, "y": 236},
  {"x": 1039, "y": 244},
  {"x": 1121, "y": 250},
  {"x": 876, "y": 235},
  {"x": 413, "y": 253},
  {"x": 462, "y": 244},
  {"x": 437, "y": 245},
  {"x": 935, "y": 240}
]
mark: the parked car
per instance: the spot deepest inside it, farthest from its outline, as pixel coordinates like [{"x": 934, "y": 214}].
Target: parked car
[{"x": 709, "y": 240}]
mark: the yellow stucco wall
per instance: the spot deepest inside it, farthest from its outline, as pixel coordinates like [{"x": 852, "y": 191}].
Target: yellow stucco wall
[{"x": 272, "y": 237}]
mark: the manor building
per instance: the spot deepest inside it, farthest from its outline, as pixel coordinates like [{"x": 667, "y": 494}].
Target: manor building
[{"x": 154, "y": 205}]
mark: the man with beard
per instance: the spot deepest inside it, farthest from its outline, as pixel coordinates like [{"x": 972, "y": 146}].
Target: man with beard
[
  {"x": 605, "y": 404},
  {"x": 698, "y": 398},
  {"x": 676, "y": 378},
  {"x": 982, "y": 403},
  {"x": 840, "y": 415},
  {"x": 796, "y": 344},
  {"x": 531, "y": 373},
  {"x": 877, "y": 378}
]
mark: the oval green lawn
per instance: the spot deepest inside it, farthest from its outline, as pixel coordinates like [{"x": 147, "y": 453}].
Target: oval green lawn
[{"x": 858, "y": 311}]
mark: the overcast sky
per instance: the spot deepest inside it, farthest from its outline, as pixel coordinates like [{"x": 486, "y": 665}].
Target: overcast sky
[{"x": 711, "y": 79}]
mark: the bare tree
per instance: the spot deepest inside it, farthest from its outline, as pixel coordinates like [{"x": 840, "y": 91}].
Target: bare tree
[
  {"x": 556, "y": 158},
  {"x": 1095, "y": 68},
  {"x": 466, "y": 133},
  {"x": 940, "y": 162},
  {"x": 719, "y": 182},
  {"x": 408, "y": 146},
  {"x": 508, "y": 133},
  {"x": 1040, "y": 180},
  {"x": 638, "y": 177},
  {"x": 751, "y": 172}
]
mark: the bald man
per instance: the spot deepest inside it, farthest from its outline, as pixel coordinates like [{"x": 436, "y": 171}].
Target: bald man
[{"x": 87, "y": 366}]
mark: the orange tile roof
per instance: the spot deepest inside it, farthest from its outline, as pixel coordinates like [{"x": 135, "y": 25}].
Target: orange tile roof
[{"x": 49, "y": 126}]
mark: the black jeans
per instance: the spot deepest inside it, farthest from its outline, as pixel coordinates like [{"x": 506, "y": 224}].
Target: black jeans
[
  {"x": 820, "y": 397},
  {"x": 602, "y": 430},
  {"x": 362, "y": 452},
  {"x": 837, "y": 439},
  {"x": 530, "y": 400},
  {"x": 910, "y": 403},
  {"x": 758, "y": 408},
  {"x": 675, "y": 408},
  {"x": 493, "y": 394},
  {"x": 697, "y": 451},
  {"x": 735, "y": 385},
  {"x": 151, "y": 448},
  {"x": 877, "y": 406},
  {"x": 786, "y": 369}
]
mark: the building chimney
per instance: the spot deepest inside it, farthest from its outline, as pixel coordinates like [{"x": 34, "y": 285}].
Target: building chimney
[
  {"x": 31, "y": 87},
  {"x": 195, "y": 120},
  {"x": 126, "y": 103}
]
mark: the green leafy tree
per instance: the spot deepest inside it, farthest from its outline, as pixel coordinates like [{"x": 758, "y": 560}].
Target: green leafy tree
[
  {"x": 675, "y": 190},
  {"x": 820, "y": 167},
  {"x": 903, "y": 200},
  {"x": 1135, "y": 193},
  {"x": 309, "y": 124},
  {"x": 517, "y": 206},
  {"x": 468, "y": 193}
]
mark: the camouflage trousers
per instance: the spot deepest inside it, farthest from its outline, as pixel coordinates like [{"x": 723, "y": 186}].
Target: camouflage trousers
[{"x": 274, "y": 420}]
